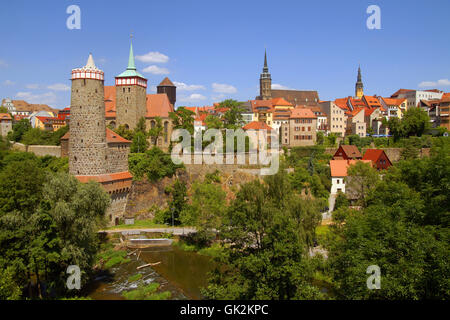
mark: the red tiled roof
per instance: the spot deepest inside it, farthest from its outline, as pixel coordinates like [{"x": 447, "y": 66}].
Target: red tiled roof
[
  {"x": 393, "y": 101},
  {"x": 280, "y": 102},
  {"x": 257, "y": 125},
  {"x": 111, "y": 137},
  {"x": 372, "y": 154},
  {"x": 400, "y": 91},
  {"x": 5, "y": 116},
  {"x": 166, "y": 83},
  {"x": 301, "y": 112},
  {"x": 445, "y": 97},
  {"x": 158, "y": 105},
  {"x": 339, "y": 167},
  {"x": 369, "y": 111},
  {"x": 106, "y": 177}
]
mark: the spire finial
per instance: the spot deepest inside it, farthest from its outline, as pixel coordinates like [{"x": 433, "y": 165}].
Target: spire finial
[{"x": 131, "y": 64}]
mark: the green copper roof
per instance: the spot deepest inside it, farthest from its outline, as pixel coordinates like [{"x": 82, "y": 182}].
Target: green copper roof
[{"x": 131, "y": 69}]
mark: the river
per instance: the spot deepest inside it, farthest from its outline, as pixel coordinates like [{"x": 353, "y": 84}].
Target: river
[{"x": 180, "y": 272}]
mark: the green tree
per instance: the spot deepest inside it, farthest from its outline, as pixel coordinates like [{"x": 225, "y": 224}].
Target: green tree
[
  {"x": 415, "y": 122},
  {"x": 233, "y": 115},
  {"x": 19, "y": 129},
  {"x": 140, "y": 143},
  {"x": 266, "y": 230},
  {"x": 156, "y": 131},
  {"x": 320, "y": 138},
  {"x": 177, "y": 202},
  {"x": 154, "y": 164},
  {"x": 140, "y": 126},
  {"x": 183, "y": 118},
  {"x": 361, "y": 179},
  {"x": 213, "y": 122},
  {"x": 205, "y": 212}
]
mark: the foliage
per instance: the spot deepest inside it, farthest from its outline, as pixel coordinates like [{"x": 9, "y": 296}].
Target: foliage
[
  {"x": 414, "y": 122},
  {"x": 183, "y": 118},
  {"x": 233, "y": 115},
  {"x": 341, "y": 201},
  {"x": 361, "y": 179},
  {"x": 9, "y": 290},
  {"x": 124, "y": 132},
  {"x": 24, "y": 133},
  {"x": 147, "y": 292},
  {"x": 404, "y": 229},
  {"x": 213, "y": 122},
  {"x": 267, "y": 229},
  {"x": 48, "y": 221},
  {"x": 156, "y": 131},
  {"x": 140, "y": 143},
  {"x": 205, "y": 211},
  {"x": 19, "y": 129},
  {"x": 154, "y": 163},
  {"x": 177, "y": 202}
]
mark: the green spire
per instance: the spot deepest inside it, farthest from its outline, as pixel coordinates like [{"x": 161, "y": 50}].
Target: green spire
[
  {"x": 131, "y": 65},
  {"x": 131, "y": 69}
]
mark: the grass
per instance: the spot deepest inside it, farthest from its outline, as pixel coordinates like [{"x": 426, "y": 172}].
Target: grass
[
  {"x": 147, "y": 292},
  {"x": 135, "y": 277},
  {"x": 112, "y": 258},
  {"x": 322, "y": 231},
  {"x": 213, "y": 251}
]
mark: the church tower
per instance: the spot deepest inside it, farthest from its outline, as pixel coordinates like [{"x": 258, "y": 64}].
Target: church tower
[
  {"x": 265, "y": 82},
  {"x": 166, "y": 86},
  {"x": 87, "y": 143},
  {"x": 131, "y": 95},
  {"x": 359, "y": 87}
]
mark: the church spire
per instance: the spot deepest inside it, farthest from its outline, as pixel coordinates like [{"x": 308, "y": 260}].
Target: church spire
[
  {"x": 266, "y": 68},
  {"x": 265, "y": 81},
  {"x": 359, "y": 87},
  {"x": 131, "y": 64}
]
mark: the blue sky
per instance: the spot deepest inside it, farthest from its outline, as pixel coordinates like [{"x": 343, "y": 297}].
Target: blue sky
[{"x": 215, "y": 49}]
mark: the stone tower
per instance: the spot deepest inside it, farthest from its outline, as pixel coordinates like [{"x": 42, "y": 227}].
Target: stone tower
[
  {"x": 265, "y": 82},
  {"x": 166, "y": 86},
  {"x": 87, "y": 144},
  {"x": 131, "y": 95},
  {"x": 359, "y": 87}
]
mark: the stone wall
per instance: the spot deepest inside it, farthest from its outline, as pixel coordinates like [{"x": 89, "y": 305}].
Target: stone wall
[
  {"x": 131, "y": 105},
  {"x": 117, "y": 160},
  {"x": 5, "y": 127},
  {"x": 87, "y": 143},
  {"x": 41, "y": 151},
  {"x": 116, "y": 210}
]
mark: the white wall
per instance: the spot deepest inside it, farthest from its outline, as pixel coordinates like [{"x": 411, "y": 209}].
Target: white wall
[{"x": 337, "y": 183}]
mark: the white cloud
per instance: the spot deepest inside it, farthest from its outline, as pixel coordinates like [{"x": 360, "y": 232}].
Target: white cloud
[
  {"x": 32, "y": 86},
  {"x": 59, "y": 87},
  {"x": 3, "y": 63},
  {"x": 277, "y": 86},
  {"x": 44, "y": 98},
  {"x": 153, "y": 57},
  {"x": 152, "y": 88},
  {"x": 218, "y": 97},
  {"x": 439, "y": 83},
  {"x": 223, "y": 88},
  {"x": 193, "y": 97},
  {"x": 156, "y": 70},
  {"x": 8, "y": 83},
  {"x": 188, "y": 87}
]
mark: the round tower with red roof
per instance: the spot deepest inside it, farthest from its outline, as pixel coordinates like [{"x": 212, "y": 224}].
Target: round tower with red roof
[{"x": 87, "y": 144}]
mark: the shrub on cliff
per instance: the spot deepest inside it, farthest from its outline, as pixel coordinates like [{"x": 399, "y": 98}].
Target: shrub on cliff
[{"x": 154, "y": 163}]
